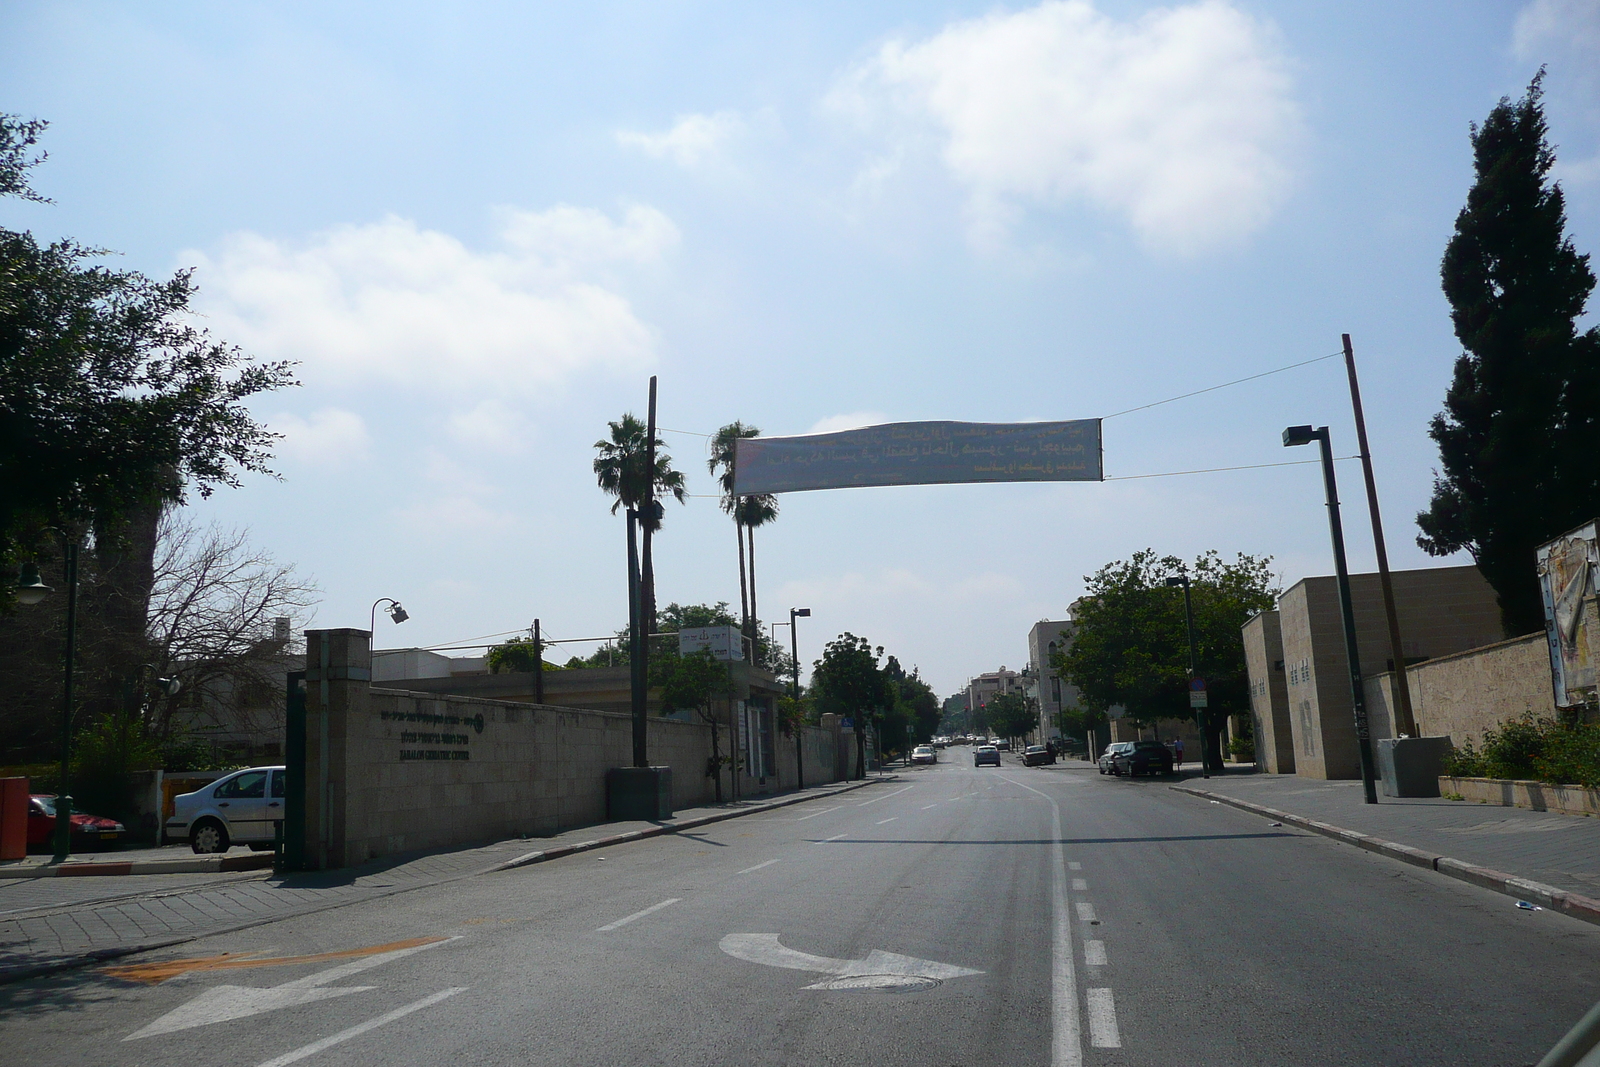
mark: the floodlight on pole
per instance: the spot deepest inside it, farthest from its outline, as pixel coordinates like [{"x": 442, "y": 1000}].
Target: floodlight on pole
[
  {"x": 1304, "y": 435},
  {"x": 394, "y": 611},
  {"x": 794, "y": 665}
]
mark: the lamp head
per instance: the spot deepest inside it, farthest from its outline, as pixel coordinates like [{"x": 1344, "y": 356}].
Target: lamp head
[
  {"x": 800, "y": 613},
  {"x": 1298, "y": 435},
  {"x": 30, "y": 589},
  {"x": 1180, "y": 580},
  {"x": 398, "y": 613}
]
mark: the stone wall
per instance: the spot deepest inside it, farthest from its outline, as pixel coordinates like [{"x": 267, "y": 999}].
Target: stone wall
[
  {"x": 1269, "y": 693},
  {"x": 1462, "y": 695},
  {"x": 390, "y": 770}
]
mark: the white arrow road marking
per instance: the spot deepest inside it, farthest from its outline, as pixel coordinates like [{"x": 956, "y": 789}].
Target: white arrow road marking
[
  {"x": 765, "y": 948},
  {"x": 361, "y": 1028},
  {"x": 224, "y": 1002}
]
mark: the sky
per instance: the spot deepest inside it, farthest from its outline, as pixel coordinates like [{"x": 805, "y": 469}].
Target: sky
[{"x": 479, "y": 228}]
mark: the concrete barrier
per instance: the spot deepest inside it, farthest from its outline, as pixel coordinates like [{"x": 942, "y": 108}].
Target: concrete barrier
[{"x": 1517, "y": 793}]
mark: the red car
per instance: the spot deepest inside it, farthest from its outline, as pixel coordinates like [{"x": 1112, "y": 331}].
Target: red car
[{"x": 88, "y": 831}]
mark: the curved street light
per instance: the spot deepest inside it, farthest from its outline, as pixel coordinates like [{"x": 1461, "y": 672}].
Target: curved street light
[{"x": 394, "y": 611}]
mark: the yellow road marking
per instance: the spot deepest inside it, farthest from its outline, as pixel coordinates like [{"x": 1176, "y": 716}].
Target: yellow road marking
[{"x": 160, "y": 971}]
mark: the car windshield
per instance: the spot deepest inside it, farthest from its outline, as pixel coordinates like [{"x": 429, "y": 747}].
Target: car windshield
[
  {"x": 47, "y": 803},
  {"x": 1146, "y": 745}
]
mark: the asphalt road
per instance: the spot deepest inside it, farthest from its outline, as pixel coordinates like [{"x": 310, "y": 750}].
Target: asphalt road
[{"x": 1043, "y": 916}]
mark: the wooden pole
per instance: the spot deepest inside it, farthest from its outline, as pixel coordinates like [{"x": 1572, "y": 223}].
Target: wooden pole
[
  {"x": 538, "y": 665},
  {"x": 1404, "y": 721}
]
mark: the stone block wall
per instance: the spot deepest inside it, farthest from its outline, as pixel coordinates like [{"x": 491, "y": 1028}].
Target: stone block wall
[{"x": 1462, "y": 695}]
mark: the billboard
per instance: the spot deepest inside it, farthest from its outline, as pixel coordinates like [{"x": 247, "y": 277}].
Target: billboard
[
  {"x": 722, "y": 642},
  {"x": 921, "y": 453},
  {"x": 1566, "y": 578}
]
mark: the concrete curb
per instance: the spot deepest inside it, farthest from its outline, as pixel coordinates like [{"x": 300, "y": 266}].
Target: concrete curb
[
  {"x": 195, "y": 865},
  {"x": 10, "y": 973},
  {"x": 688, "y": 824},
  {"x": 1548, "y": 896}
]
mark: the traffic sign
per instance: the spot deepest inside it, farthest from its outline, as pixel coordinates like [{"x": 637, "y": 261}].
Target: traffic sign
[{"x": 1197, "y": 693}]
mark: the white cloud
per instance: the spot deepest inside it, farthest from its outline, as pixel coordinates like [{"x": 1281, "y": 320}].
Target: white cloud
[
  {"x": 490, "y": 426},
  {"x": 1565, "y": 24},
  {"x": 850, "y": 421},
  {"x": 456, "y": 503},
  {"x": 330, "y": 437},
  {"x": 693, "y": 139},
  {"x": 392, "y": 302},
  {"x": 1179, "y": 120}
]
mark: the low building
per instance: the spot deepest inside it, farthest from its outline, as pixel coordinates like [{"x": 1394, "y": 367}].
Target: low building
[
  {"x": 1442, "y": 610},
  {"x": 1054, "y": 693}
]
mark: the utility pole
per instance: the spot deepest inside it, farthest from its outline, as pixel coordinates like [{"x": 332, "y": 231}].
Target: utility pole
[
  {"x": 1405, "y": 722},
  {"x": 641, "y": 750},
  {"x": 63, "y": 835},
  {"x": 538, "y": 665},
  {"x": 799, "y": 724},
  {"x": 1201, "y": 711}
]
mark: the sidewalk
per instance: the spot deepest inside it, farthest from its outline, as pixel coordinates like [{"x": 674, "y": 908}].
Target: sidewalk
[
  {"x": 1512, "y": 850},
  {"x": 68, "y": 931}
]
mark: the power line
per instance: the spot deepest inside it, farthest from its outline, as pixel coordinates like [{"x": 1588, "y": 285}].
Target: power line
[
  {"x": 1217, "y": 470},
  {"x": 1224, "y": 385}
]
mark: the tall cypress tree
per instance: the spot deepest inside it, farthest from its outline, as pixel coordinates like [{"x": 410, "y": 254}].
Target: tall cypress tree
[{"x": 1519, "y": 442}]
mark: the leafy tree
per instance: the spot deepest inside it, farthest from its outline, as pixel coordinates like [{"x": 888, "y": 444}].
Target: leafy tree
[
  {"x": 111, "y": 400},
  {"x": 1012, "y": 715},
  {"x": 697, "y": 681},
  {"x": 622, "y": 469},
  {"x": 1521, "y": 423},
  {"x": 519, "y": 656},
  {"x": 1131, "y": 646},
  {"x": 847, "y": 681}
]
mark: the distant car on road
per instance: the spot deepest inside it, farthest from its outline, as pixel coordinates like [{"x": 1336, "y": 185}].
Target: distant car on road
[
  {"x": 1107, "y": 761},
  {"x": 1143, "y": 757},
  {"x": 88, "y": 831},
  {"x": 1035, "y": 755},
  {"x": 240, "y": 809},
  {"x": 1003, "y": 745},
  {"x": 985, "y": 754},
  {"x": 924, "y": 754}
]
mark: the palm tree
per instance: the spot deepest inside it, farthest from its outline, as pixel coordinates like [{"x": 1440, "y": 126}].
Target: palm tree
[
  {"x": 621, "y": 470},
  {"x": 748, "y": 512}
]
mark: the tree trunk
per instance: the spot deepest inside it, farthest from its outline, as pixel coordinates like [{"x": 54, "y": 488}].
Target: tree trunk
[
  {"x": 744, "y": 589},
  {"x": 861, "y": 745},
  {"x": 755, "y": 619}
]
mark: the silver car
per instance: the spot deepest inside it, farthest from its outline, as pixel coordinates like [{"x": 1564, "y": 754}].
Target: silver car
[{"x": 241, "y": 809}]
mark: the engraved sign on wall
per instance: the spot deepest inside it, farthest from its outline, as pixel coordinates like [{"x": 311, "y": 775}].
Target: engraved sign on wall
[{"x": 442, "y": 738}]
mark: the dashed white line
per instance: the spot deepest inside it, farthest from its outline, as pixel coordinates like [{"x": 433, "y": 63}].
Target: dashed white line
[
  {"x": 625, "y": 920},
  {"x": 1074, "y": 866},
  {"x": 1103, "y": 1020},
  {"x": 1080, "y": 884},
  {"x": 825, "y": 840},
  {"x": 935, "y": 804},
  {"x": 1085, "y": 911},
  {"x": 758, "y": 866},
  {"x": 361, "y": 1028},
  {"x": 891, "y": 818},
  {"x": 1094, "y": 953},
  {"x": 814, "y": 814},
  {"x": 886, "y": 796}
]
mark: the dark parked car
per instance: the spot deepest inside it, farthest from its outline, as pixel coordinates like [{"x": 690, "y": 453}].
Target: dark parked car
[
  {"x": 1034, "y": 755},
  {"x": 1107, "y": 760},
  {"x": 88, "y": 831},
  {"x": 985, "y": 754},
  {"x": 1143, "y": 757}
]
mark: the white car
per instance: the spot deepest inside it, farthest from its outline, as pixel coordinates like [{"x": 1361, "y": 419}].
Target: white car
[
  {"x": 924, "y": 754},
  {"x": 240, "y": 809}
]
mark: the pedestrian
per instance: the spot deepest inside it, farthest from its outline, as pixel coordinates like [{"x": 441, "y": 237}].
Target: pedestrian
[{"x": 1177, "y": 753}]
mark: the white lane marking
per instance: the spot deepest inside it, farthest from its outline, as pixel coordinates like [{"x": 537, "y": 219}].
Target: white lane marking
[
  {"x": 361, "y": 1028},
  {"x": 626, "y": 919},
  {"x": 758, "y": 866},
  {"x": 886, "y": 796},
  {"x": 935, "y": 804},
  {"x": 1094, "y": 953},
  {"x": 1103, "y": 1020},
  {"x": 814, "y": 814},
  {"x": 765, "y": 948},
  {"x": 891, "y": 818},
  {"x": 223, "y": 1003},
  {"x": 1074, "y": 866},
  {"x": 1079, "y": 885},
  {"x": 1066, "y": 1044},
  {"x": 1085, "y": 911},
  {"x": 825, "y": 840}
]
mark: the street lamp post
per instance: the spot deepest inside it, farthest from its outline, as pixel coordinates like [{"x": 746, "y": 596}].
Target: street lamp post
[
  {"x": 1203, "y": 711},
  {"x": 394, "y": 611},
  {"x": 1304, "y": 435},
  {"x": 31, "y": 590},
  {"x": 794, "y": 664}
]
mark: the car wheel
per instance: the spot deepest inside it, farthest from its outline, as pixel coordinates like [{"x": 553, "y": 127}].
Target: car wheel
[{"x": 207, "y": 837}]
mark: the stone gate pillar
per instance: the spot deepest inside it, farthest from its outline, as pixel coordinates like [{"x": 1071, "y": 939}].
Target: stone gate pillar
[{"x": 338, "y": 690}]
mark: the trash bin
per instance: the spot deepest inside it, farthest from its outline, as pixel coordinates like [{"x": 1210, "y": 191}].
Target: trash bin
[
  {"x": 13, "y": 818},
  {"x": 1410, "y": 766}
]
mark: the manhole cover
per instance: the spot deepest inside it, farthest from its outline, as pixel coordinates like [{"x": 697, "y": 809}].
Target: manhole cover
[{"x": 882, "y": 983}]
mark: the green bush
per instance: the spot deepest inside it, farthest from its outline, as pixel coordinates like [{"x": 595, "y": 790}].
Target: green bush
[
  {"x": 1243, "y": 748},
  {"x": 1537, "y": 749}
]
